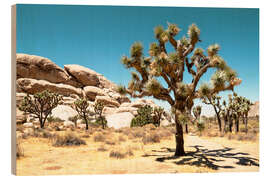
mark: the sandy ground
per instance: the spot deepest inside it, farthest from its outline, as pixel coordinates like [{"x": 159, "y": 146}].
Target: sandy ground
[{"x": 203, "y": 155}]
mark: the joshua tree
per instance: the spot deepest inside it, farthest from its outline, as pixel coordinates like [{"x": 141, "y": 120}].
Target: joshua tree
[
  {"x": 214, "y": 100},
  {"x": 170, "y": 68},
  {"x": 98, "y": 108},
  {"x": 158, "y": 111},
  {"x": 81, "y": 106},
  {"x": 41, "y": 105}
]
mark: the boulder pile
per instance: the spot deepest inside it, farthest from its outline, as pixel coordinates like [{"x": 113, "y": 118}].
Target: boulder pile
[{"x": 36, "y": 74}]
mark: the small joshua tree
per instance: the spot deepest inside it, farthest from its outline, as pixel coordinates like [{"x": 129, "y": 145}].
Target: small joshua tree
[
  {"x": 41, "y": 105},
  {"x": 158, "y": 111},
  {"x": 170, "y": 67},
  {"x": 214, "y": 100},
  {"x": 81, "y": 106},
  {"x": 98, "y": 108}
]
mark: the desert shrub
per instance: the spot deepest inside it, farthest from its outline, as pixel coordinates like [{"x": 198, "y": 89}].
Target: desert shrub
[
  {"x": 246, "y": 137},
  {"x": 121, "y": 153},
  {"x": 85, "y": 135},
  {"x": 102, "y": 148},
  {"x": 99, "y": 137},
  {"x": 151, "y": 138},
  {"x": 68, "y": 139},
  {"x": 138, "y": 132},
  {"x": 110, "y": 141},
  {"x": 117, "y": 154},
  {"x": 51, "y": 119},
  {"x": 19, "y": 128},
  {"x": 143, "y": 117},
  {"x": 131, "y": 136},
  {"x": 42, "y": 133},
  {"x": 122, "y": 138},
  {"x": 19, "y": 149}
]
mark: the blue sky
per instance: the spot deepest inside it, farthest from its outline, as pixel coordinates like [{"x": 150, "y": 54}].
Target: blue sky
[{"x": 97, "y": 36}]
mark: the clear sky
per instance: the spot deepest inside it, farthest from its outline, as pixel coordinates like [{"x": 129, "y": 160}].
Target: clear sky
[{"x": 97, "y": 36}]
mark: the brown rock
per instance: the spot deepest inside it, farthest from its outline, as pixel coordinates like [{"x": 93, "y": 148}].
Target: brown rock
[
  {"x": 41, "y": 68},
  {"x": 85, "y": 76},
  {"x": 107, "y": 101},
  {"x": 33, "y": 86},
  {"x": 91, "y": 92}
]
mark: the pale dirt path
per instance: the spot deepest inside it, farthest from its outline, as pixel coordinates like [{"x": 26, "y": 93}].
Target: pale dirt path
[
  {"x": 203, "y": 155},
  {"x": 222, "y": 154}
]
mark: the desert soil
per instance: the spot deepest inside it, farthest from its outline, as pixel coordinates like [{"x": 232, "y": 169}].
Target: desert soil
[{"x": 203, "y": 155}]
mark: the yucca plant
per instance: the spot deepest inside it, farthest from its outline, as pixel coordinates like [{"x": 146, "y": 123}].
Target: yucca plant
[
  {"x": 170, "y": 67},
  {"x": 100, "y": 119},
  {"x": 158, "y": 112},
  {"x": 40, "y": 105}
]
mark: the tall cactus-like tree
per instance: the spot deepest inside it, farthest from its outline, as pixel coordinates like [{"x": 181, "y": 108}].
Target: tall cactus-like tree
[
  {"x": 170, "y": 67},
  {"x": 41, "y": 105},
  {"x": 214, "y": 101},
  {"x": 197, "y": 112}
]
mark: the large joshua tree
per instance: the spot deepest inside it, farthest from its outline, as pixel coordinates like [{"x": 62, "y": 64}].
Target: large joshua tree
[{"x": 161, "y": 75}]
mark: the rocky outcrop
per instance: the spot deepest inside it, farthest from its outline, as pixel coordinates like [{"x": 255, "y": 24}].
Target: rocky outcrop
[
  {"x": 33, "y": 86},
  {"x": 63, "y": 112},
  {"x": 85, "y": 76},
  {"x": 40, "y": 68},
  {"x": 119, "y": 120},
  {"x": 91, "y": 92},
  {"x": 107, "y": 101}
]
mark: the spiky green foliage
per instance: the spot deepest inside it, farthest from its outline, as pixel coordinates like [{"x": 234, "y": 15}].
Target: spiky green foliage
[
  {"x": 126, "y": 61},
  {"x": 218, "y": 79},
  {"x": 121, "y": 89},
  {"x": 193, "y": 33},
  {"x": 184, "y": 41},
  {"x": 158, "y": 31},
  {"x": 173, "y": 29},
  {"x": 40, "y": 105},
  {"x": 143, "y": 117},
  {"x": 135, "y": 76},
  {"x": 198, "y": 52},
  {"x": 173, "y": 58},
  {"x": 136, "y": 50},
  {"x": 154, "y": 49},
  {"x": 213, "y": 50},
  {"x": 204, "y": 90},
  {"x": 182, "y": 89},
  {"x": 153, "y": 86}
]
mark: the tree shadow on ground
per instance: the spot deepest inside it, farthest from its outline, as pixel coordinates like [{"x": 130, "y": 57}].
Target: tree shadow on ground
[{"x": 203, "y": 157}]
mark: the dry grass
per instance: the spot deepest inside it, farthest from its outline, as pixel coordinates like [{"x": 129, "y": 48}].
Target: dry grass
[
  {"x": 99, "y": 137},
  {"x": 102, "y": 148},
  {"x": 152, "y": 137},
  {"x": 121, "y": 153},
  {"x": 19, "y": 149},
  {"x": 68, "y": 139}
]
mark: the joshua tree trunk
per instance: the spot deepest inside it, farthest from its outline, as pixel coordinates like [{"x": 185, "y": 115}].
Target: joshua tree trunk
[
  {"x": 237, "y": 125},
  {"x": 246, "y": 122},
  {"x": 86, "y": 121},
  {"x": 179, "y": 138},
  {"x": 230, "y": 124},
  {"x": 218, "y": 118},
  {"x": 186, "y": 128}
]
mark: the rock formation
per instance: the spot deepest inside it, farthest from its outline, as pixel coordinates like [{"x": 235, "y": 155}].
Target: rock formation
[{"x": 36, "y": 74}]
